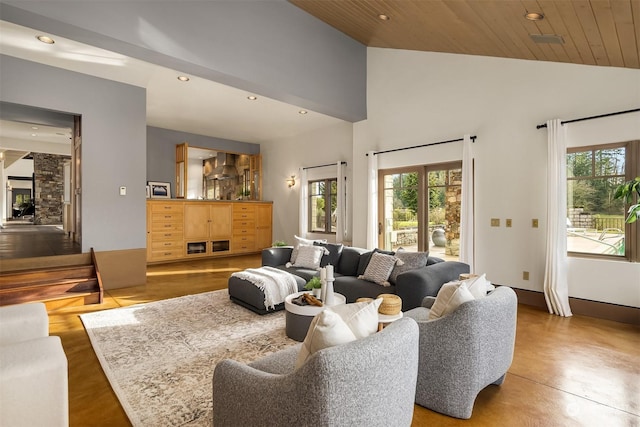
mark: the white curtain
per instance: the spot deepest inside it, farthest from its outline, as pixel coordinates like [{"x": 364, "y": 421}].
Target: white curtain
[
  {"x": 303, "y": 220},
  {"x": 372, "y": 207},
  {"x": 341, "y": 206},
  {"x": 556, "y": 288},
  {"x": 466, "y": 209}
]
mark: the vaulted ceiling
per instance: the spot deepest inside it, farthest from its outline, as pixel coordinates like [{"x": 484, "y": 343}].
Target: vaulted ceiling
[{"x": 595, "y": 32}]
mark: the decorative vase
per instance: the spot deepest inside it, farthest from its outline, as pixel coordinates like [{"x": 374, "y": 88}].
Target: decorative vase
[
  {"x": 317, "y": 292},
  {"x": 329, "y": 297}
]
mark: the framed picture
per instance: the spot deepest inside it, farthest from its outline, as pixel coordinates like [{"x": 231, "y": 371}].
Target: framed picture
[
  {"x": 159, "y": 190},
  {"x": 148, "y": 191}
]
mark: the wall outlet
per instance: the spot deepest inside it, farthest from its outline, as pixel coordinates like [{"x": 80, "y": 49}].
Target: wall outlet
[
  {"x": 534, "y": 223},
  {"x": 525, "y": 275},
  {"x": 508, "y": 222},
  {"x": 123, "y": 191},
  {"x": 495, "y": 222}
]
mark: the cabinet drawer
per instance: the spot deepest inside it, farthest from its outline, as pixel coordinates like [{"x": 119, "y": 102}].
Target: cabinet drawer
[
  {"x": 169, "y": 244},
  {"x": 169, "y": 207},
  {"x": 243, "y": 245},
  {"x": 166, "y": 254},
  {"x": 167, "y": 217},
  {"x": 158, "y": 236},
  {"x": 167, "y": 226},
  {"x": 244, "y": 239},
  {"x": 244, "y": 216},
  {"x": 243, "y": 224}
]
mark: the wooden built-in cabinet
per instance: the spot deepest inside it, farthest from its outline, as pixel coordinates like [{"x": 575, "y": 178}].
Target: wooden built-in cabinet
[
  {"x": 165, "y": 226},
  {"x": 182, "y": 229}
]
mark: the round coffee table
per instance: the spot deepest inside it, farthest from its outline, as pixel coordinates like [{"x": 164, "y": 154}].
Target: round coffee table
[{"x": 299, "y": 317}]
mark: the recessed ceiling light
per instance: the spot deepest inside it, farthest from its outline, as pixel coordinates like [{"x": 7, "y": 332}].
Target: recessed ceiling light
[
  {"x": 252, "y": 97},
  {"x": 183, "y": 78},
  {"x": 534, "y": 16},
  {"x": 34, "y": 127},
  {"x": 34, "y": 134},
  {"x": 302, "y": 112},
  {"x": 384, "y": 17},
  {"x": 45, "y": 39}
]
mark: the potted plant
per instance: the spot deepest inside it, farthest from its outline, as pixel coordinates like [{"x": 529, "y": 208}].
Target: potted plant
[
  {"x": 279, "y": 244},
  {"x": 626, "y": 191},
  {"x": 315, "y": 286}
]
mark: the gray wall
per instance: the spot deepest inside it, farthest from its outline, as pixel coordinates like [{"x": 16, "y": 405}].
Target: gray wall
[
  {"x": 268, "y": 47},
  {"x": 113, "y": 145},
  {"x": 161, "y": 151}
]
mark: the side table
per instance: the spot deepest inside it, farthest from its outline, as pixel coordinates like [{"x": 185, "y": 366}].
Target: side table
[{"x": 299, "y": 317}]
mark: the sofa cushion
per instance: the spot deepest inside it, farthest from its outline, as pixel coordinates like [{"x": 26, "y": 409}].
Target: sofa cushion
[
  {"x": 366, "y": 257},
  {"x": 299, "y": 241},
  {"x": 450, "y": 296},
  {"x": 379, "y": 268},
  {"x": 349, "y": 259},
  {"x": 353, "y": 288},
  {"x": 339, "y": 324},
  {"x": 333, "y": 257},
  {"x": 479, "y": 286},
  {"x": 309, "y": 256},
  {"x": 411, "y": 260},
  {"x": 327, "y": 329}
]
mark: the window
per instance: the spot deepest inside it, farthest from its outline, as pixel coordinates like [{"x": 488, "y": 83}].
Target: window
[
  {"x": 420, "y": 209},
  {"x": 595, "y": 220},
  {"x": 322, "y": 205}
]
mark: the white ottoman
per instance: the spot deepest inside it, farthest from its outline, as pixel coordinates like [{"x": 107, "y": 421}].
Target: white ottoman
[
  {"x": 33, "y": 384},
  {"x": 22, "y": 322}
]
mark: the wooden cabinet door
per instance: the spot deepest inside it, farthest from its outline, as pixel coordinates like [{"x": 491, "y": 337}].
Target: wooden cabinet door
[
  {"x": 220, "y": 226},
  {"x": 196, "y": 221},
  {"x": 264, "y": 218}
]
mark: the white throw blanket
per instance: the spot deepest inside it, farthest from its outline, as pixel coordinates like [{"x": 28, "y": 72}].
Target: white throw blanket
[{"x": 276, "y": 284}]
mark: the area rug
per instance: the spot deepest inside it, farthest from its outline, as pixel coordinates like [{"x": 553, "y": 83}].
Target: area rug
[{"x": 159, "y": 357}]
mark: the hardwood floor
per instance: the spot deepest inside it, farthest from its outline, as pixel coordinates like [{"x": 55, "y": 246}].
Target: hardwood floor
[{"x": 577, "y": 371}]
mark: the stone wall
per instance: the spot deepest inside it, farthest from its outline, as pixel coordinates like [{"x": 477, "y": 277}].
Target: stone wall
[{"x": 49, "y": 183}]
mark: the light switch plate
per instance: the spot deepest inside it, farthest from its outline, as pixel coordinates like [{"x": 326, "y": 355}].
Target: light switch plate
[
  {"x": 508, "y": 222},
  {"x": 123, "y": 191},
  {"x": 495, "y": 222},
  {"x": 534, "y": 223},
  {"x": 525, "y": 275}
]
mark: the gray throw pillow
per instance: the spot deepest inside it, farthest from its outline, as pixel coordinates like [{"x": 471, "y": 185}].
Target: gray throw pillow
[
  {"x": 412, "y": 261},
  {"x": 366, "y": 257}
]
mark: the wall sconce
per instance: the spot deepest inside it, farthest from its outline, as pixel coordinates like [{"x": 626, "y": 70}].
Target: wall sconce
[{"x": 291, "y": 181}]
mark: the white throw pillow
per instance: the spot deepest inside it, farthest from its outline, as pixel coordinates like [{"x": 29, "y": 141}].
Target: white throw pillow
[
  {"x": 309, "y": 256},
  {"x": 379, "y": 268},
  {"x": 450, "y": 296},
  {"x": 361, "y": 317},
  {"x": 479, "y": 286},
  {"x": 339, "y": 324},
  {"x": 326, "y": 330},
  {"x": 299, "y": 241}
]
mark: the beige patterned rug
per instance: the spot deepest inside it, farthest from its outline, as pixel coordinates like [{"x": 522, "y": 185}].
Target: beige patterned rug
[{"x": 159, "y": 357}]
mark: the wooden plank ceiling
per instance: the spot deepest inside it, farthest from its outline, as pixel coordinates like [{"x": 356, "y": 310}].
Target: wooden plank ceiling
[{"x": 595, "y": 32}]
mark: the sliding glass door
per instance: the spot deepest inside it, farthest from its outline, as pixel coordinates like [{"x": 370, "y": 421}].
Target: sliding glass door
[{"x": 419, "y": 209}]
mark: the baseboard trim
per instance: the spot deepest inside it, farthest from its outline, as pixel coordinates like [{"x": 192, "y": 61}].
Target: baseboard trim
[{"x": 583, "y": 307}]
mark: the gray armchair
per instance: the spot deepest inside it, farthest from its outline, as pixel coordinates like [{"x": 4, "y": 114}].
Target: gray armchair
[
  {"x": 464, "y": 351},
  {"x": 368, "y": 382}
]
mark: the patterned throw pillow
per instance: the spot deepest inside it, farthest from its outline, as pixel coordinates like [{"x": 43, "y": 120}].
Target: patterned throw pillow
[
  {"x": 302, "y": 242},
  {"x": 379, "y": 268},
  {"x": 309, "y": 256},
  {"x": 412, "y": 261}
]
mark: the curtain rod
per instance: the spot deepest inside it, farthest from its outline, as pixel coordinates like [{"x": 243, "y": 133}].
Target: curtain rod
[
  {"x": 544, "y": 125},
  {"x": 324, "y": 166},
  {"x": 473, "y": 139}
]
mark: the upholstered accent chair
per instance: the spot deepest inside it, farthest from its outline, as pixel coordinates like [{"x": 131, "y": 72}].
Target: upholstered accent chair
[
  {"x": 367, "y": 382},
  {"x": 464, "y": 351},
  {"x": 33, "y": 369}
]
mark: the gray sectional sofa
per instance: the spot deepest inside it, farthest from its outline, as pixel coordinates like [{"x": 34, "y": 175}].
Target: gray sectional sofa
[{"x": 350, "y": 262}]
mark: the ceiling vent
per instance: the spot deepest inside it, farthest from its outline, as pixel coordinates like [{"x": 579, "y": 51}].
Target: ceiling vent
[{"x": 547, "y": 38}]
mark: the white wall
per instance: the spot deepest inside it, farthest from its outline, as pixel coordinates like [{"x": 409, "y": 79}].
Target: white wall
[
  {"x": 417, "y": 97},
  {"x": 281, "y": 159}
]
